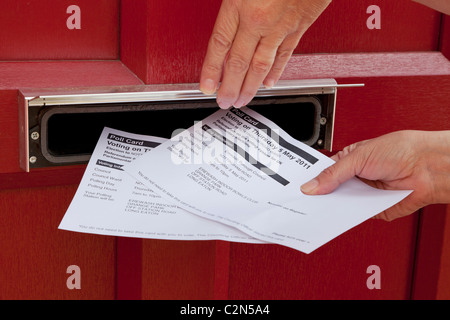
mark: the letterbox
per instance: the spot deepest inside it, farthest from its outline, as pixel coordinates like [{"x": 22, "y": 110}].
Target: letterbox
[{"x": 61, "y": 126}]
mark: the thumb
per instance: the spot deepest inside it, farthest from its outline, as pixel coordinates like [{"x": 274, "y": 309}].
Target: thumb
[{"x": 330, "y": 178}]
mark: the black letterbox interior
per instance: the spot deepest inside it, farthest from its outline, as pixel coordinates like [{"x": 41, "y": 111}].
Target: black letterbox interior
[{"x": 74, "y": 130}]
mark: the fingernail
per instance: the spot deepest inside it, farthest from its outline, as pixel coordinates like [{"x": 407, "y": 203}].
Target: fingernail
[
  {"x": 208, "y": 86},
  {"x": 223, "y": 104},
  {"x": 239, "y": 103},
  {"x": 310, "y": 186},
  {"x": 269, "y": 84}
]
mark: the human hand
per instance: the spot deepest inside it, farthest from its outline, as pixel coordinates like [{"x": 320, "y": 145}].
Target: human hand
[
  {"x": 439, "y": 5},
  {"x": 403, "y": 160},
  {"x": 251, "y": 43}
]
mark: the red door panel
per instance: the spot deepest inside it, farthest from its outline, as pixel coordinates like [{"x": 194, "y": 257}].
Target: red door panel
[
  {"x": 34, "y": 255},
  {"x": 37, "y": 29}
]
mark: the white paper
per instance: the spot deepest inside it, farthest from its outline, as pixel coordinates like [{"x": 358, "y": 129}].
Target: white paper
[
  {"x": 110, "y": 202},
  {"x": 240, "y": 169}
]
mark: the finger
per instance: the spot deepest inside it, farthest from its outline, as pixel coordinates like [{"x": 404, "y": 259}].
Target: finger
[
  {"x": 236, "y": 67},
  {"x": 259, "y": 68},
  {"x": 389, "y": 215},
  {"x": 336, "y": 174},
  {"x": 219, "y": 45},
  {"x": 333, "y": 176},
  {"x": 282, "y": 57},
  {"x": 344, "y": 152},
  {"x": 403, "y": 208}
]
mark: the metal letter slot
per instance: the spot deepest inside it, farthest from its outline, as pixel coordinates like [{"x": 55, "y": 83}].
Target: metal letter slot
[{"x": 61, "y": 127}]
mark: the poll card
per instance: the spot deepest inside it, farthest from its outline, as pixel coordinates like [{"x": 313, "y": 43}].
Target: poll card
[
  {"x": 240, "y": 169},
  {"x": 110, "y": 202}
]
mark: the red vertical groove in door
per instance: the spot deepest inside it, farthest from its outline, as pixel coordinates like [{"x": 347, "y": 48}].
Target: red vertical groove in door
[
  {"x": 444, "y": 41},
  {"x": 444, "y": 277},
  {"x": 429, "y": 252}
]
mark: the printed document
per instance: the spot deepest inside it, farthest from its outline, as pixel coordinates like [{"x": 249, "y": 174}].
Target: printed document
[
  {"x": 240, "y": 169},
  {"x": 110, "y": 202}
]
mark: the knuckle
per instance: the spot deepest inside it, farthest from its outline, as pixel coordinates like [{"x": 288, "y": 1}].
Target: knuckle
[
  {"x": 348, "y": 149},
  {"x": 220, "y": 42},
  {"x": 278, "y": 68},
  {"x": 285, "y": 54},
  {"x": 260, "y": 17},
  {"x": 352, "y": 147},
  {"x": 329, "y": 172},
  {"x": 237, "y": 64},
  {"x": 281, "y": 60},
  {"x": 260, "y": 67},
  {"x": 212, "y": 68},
  {"x": 340, "y": 154}
]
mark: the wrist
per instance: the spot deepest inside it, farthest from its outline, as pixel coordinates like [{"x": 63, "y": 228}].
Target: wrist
[{"x": 437, "y": 162}]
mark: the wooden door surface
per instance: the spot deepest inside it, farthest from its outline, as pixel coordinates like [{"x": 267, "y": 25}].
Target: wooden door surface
[{"x": 404, "y": 66}]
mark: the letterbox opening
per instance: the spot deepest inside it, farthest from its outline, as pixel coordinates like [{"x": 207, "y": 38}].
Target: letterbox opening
[
  {"x": 74, "y": 131},
  {"x": 62, "y": 127}
]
